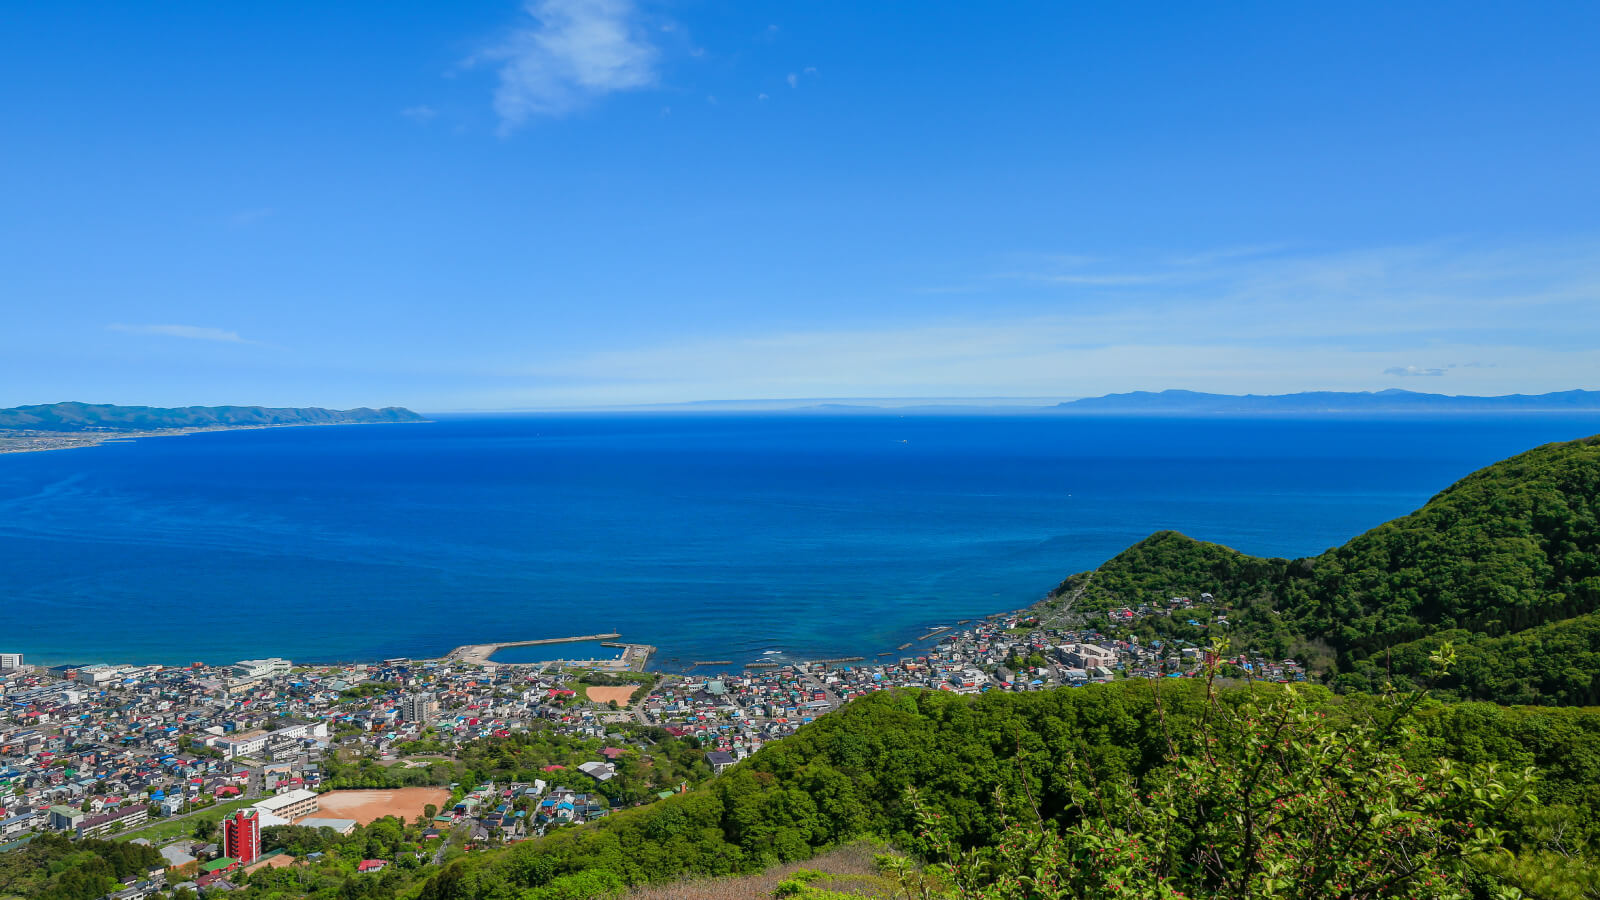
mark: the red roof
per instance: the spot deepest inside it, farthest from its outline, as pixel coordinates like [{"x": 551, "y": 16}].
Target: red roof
[
  {"x": 553, "y": 768},
  {"x": 371, "y": 865}
]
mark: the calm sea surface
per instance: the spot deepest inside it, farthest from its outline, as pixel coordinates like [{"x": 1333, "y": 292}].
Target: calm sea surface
[{"x": 712, "y": 537}]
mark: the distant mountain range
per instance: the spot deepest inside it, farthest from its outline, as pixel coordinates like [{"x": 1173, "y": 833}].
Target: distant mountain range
[
  {"x": 102, "y": 416},
  {"x": 1192, "y": 402}
]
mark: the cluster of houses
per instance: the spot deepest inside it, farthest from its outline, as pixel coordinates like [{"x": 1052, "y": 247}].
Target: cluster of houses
[
  {"x": 95, "y": 750},
  {"x": 98, "y": 749},
  {"x": 735, "y": 714},
  {"x": 91, "y": 755},
  {"x": 515, "y": 811}
]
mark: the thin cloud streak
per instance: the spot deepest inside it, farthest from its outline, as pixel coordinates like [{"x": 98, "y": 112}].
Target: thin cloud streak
[
  {"x": 1249, "y": 322},
  {"x": 188, "y": 332}
]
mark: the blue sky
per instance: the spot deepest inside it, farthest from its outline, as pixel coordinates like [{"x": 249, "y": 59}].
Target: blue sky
[{"x": 595, "y": 202}]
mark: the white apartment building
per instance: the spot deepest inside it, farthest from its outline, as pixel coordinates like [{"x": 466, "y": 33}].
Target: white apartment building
[
  {"x": 295, "y": 804},
  {"x": 262, "y": 668},
  {"x": 245, "y": 744}
]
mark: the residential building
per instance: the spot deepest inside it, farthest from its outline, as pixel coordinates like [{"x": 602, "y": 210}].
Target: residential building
[
  {"x": 219, "y": 866},
  {"x": 241, "y": 836},
  {"x": 417, "y": 708},
  {"x": 66, "y": 818},
  {"x": 94, "y": 676},
  {"x": 178, "y": 860},
  {"x": 10, "y": 661},
  {"x": 246, "y": 744},
  {"x": 106, "y": 823},
  {"x": 262, "y": 668},
  {"x": 599, "y": 771},
  {"x": 720, "y": 760}
]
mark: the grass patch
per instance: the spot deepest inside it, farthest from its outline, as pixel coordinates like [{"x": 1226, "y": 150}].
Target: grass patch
[
  {"x": 583, "y": 679},
  {"x": 850, "y": 870},
  {"x": 162, "y": 830}
]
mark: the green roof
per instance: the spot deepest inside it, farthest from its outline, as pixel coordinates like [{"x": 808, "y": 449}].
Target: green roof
[{"x": 221, "y": 862}]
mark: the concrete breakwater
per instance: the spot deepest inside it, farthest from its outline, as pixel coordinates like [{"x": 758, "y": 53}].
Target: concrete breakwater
[
  {"x": 633, "y": 658},
  {"x": 478, "y": 654}
]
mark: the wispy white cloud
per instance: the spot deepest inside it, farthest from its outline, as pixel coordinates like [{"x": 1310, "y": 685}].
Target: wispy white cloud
[
  {"x": 793, "y": 79},
  {"x": 1227, "y": 254},
  {"x": 1020, "y": 357},
  {"x": 1245, "y": 322},
  {"x": 1108, "y": 279},
  {"x": 421, "y": 113},
  {"x": 190, "y": 332},
  {"x": 1414, "y": 291},
  {"x": 574, "y": 52}
]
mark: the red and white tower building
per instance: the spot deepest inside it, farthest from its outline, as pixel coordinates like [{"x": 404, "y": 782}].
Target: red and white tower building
[{"x": 241, "y": 836}]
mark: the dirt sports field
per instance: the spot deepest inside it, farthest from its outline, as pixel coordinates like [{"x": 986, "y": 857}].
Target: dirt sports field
[
  {"x": 606, "y": 694},
  {"x": 367, "y": 807},
  {"x": 280, "y": 861}
]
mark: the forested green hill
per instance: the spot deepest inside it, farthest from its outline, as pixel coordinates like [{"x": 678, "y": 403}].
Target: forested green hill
[
  {"x": 83, "y": 416},
  {"x": 1508, "y": 551},
  {"x": 1065, "y": 757}
]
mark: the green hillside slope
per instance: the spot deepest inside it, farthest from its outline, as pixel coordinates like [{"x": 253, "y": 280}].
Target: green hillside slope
[
  {"x": 975, "y": 761},
  {"x": 1512, "y": 547}
]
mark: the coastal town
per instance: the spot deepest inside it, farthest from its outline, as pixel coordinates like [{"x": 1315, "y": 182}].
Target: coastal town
[{"x": 197, "y": 760}]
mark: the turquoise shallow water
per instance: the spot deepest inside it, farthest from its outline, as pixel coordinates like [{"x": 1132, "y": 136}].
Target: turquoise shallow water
[{"x": 711, "y": 537}]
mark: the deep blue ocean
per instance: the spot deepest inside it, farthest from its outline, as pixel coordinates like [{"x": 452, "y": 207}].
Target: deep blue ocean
[{"x": 710, "y": 536}]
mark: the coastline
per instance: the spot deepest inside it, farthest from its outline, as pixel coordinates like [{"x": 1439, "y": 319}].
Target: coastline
[
  {"x": 342, "y": 547},
  {"x": 635, "y": 657},
  {"x": 11, "y": 439}
]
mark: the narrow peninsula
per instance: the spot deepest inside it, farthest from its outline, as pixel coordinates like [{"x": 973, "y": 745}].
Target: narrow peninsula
[{"x": 60, "y": 426}]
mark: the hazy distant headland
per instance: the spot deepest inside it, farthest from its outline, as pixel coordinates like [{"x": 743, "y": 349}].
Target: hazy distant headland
[
  {"x": 1156, "y": 403},
  {"x": 60, "y": 426},
  {"x": 1389, "y": 401}
]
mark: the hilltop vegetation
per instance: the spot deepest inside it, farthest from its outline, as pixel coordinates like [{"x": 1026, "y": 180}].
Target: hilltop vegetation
[
  {"x": 52, "y": 867},
  {"x": 82, "y": 416},
  {"x": 961, "y": 782},
  {"x": 1506, "y": 562},
  {"x": 1132, "y": 789}
]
